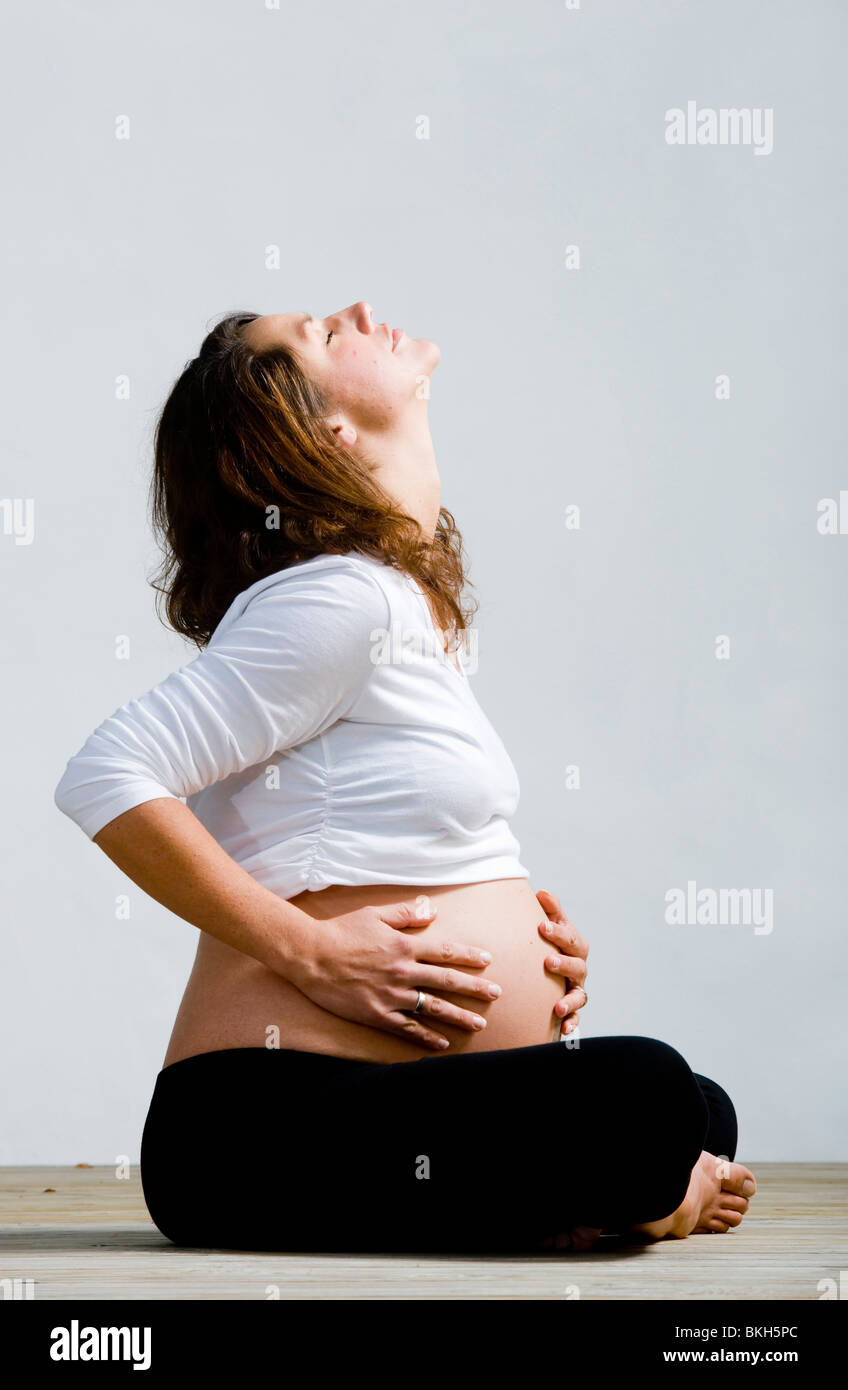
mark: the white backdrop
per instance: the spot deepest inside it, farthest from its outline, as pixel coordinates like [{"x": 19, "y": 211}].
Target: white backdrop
[{"x": 646, "y": 332}]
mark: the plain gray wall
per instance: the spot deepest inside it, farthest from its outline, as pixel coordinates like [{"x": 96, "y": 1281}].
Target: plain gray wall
[{"x": 595, "y": 386}]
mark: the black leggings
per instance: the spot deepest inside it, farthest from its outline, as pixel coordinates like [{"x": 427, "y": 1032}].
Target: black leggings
[{"x": 256, "y": 1149}]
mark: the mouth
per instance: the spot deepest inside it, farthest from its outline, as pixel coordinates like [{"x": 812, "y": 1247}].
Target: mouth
[{"x": 397, "y": 334}]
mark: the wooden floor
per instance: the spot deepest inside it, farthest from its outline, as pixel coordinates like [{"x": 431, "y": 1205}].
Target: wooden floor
[{"x": 80, "y": 1233}]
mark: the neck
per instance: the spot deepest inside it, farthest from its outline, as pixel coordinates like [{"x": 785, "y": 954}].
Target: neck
[{"x": 406, "y": 468}]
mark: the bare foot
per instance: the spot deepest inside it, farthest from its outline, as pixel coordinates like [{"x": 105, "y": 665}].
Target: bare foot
[
  {"x": 716, "y": 1201},
  {"x": 578, "y": 1239}
]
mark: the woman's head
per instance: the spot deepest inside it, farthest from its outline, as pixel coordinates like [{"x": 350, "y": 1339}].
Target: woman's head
[
  {"x": 375, "y": 379},
  {"x": 290, "y": 436}
]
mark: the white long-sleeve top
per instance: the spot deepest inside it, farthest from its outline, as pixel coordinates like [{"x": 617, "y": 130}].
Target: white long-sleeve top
[{"x": 322, "y": 736}]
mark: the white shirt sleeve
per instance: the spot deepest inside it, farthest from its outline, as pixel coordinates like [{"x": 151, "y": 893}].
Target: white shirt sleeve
[{"x": 281, "y": 671}]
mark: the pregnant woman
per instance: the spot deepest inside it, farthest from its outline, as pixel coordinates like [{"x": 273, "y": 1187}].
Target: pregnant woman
[{"x": 375, "y": 1049}]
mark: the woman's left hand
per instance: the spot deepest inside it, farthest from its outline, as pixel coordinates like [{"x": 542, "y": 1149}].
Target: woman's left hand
[{"x": 557, "y": 931}]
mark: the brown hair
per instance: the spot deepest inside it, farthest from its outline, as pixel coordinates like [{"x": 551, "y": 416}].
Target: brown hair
[{"x": 242, "y": 442}]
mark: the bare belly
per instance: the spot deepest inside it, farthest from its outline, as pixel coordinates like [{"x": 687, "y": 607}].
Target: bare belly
[{"x": 233, "y": 1001}]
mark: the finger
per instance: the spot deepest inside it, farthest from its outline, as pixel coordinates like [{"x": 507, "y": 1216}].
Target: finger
[
  {"x": 571, "y": 1003},
  {"x": 568, "y": 1025},
  {"x": 551, "y": 904},
  {"x": 569, "y": 967},
  {"x": 452, "y": 953},
  {"x": 555, "y": 915},
  {"x": 409, "y": 914},
  {"x": 446, "y": 1012},
  {"x": 430, "y": 977},
  {"x": 566, "y": 937},
  {"x": 416, "y": 1032}
]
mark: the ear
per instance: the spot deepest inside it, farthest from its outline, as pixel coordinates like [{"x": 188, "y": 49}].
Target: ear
[{"x": 345, "y": 435}]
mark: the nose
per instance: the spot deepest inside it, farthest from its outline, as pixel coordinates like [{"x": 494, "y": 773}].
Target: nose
[{"x": 361, "y": 315}]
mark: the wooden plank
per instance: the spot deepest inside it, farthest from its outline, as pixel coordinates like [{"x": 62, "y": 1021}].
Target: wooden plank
[{"x": 90, "y": 1238}]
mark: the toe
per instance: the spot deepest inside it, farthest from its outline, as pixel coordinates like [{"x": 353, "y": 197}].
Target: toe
[
  {"x": 584, "y": 1237},
  {"x": 739, "y": 1180},
  {"x": 729, "y": 1216},
  {"x": 564, "y": 1241},
  {"x": 730, "y": 1202}
]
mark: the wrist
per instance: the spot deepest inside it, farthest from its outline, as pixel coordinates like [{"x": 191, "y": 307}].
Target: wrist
[{"x": 293, "y": 945}]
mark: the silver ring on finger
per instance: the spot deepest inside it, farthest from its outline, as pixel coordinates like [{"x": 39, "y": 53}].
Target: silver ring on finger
[{"x": 419, "y": 1007}]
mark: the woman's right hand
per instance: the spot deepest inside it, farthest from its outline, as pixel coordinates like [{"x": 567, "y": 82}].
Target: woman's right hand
[{"x": 362, "y": 967}]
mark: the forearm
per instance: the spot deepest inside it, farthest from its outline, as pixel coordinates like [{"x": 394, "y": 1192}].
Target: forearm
[{"x": 164, "y": 849}]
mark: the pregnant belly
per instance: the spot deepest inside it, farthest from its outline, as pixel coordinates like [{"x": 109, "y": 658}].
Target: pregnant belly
[{"x": 233, "y": 1001}]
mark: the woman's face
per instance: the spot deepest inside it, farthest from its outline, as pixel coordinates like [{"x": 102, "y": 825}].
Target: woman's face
[{"x": 370, "y": 373}]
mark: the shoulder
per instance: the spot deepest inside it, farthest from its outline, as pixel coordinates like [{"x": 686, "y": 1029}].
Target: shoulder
[{"x": 353, "y": 591}]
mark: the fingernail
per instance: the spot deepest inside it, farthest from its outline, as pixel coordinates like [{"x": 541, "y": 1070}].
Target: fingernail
[
  {"x": 494, "y": 991},
  {"x": 443, "y": 1043},
  {"x": 547, "y": 928},
  {"x": 484, "y": 956},
  {"x": 748, "y": 1187},
  {"x": 478, "y": 1022}
]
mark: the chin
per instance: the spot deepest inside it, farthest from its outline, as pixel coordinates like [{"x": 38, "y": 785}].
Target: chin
[{"x": 430, "y": 352}]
